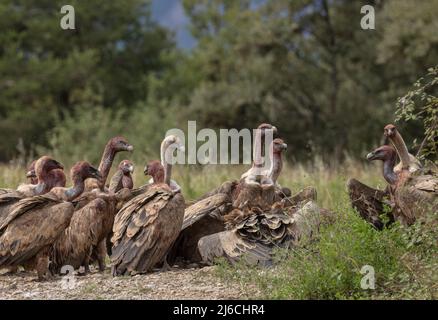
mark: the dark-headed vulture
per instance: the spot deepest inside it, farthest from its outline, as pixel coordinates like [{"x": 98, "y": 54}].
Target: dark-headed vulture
[
  {"x": 43, "y": 168},
  {"x": 36, "y": 222}
]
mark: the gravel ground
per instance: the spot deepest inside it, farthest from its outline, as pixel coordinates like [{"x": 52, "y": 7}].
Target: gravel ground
[{"x": 176, "y": 284}]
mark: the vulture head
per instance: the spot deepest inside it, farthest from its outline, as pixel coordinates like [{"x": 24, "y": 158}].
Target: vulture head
[
  {"x": 83, "y": 170},
  {"x": 266, "y": 126},
  {"x": 382, "y": 153},
  {"x": 156, "y": 170},
  {"x": 45, "y": 164},
  {"x": 278, "y": 145},
  {"x": 120, "y": 144},
  {"x": 172, "y": 140},
  {"x": 31, "y": 174},
  {"x": 126, "y": 166},
  {"x": 390, "y": 131}
]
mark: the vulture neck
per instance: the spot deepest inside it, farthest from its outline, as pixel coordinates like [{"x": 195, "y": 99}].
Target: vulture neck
[
  {"x": 276, "y": 165},
  {"x": 41, "y": 187},
  {"x": 158, "y": 178},
  {"x": 388, "y": 170},
  {"x": 257, "y": 151},
  {"x": 106, "y": 162},
  {"x": 77, "y": 189},
  {"x": 167, "y": 166},
  {"x": 402, "y": 150},
  {"x": 127, "y": 181}
]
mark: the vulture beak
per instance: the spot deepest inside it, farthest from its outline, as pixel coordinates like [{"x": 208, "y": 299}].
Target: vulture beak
[
  {"x": 284, "y": 146},
  {"x": 130, "y": 148},
  {"x": 31, "y": 174},
  {"x": 370, "y": 156},
  {"x": 131, "y": 168},
  {"x": 146, "y": 170},
  {"x": 274, "y": 130}
]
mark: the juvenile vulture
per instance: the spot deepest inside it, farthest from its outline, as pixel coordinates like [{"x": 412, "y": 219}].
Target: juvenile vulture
[
  {"x": 36, "y": 222},
  {"x": 146, "y": 226},
  {"x": 122, "y": 178},
  {"x": 372, "y": 203},
  {"x": 414, "y": 192},
  {"x": 113, "y": 146}
]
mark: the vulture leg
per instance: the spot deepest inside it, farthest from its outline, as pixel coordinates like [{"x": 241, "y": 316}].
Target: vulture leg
[
  {"x": 370, "y": 203},
  {"x": 42, "y": 265},
  {"x": 166, "y": 266},
  {"x": 101, "y": 255}
]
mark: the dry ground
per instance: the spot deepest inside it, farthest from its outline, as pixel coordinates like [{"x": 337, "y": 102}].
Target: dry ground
[{"x": 176, "y": 284}]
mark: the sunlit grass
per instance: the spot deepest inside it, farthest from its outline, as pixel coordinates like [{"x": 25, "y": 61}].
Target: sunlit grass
[{"x": 197, "y": 180}]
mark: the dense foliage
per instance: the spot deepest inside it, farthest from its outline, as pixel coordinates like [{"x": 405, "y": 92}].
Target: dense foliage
[{"x": 305, "y": 65}]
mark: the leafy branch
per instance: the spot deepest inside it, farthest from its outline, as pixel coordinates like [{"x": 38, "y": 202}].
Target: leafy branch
[{"x": 421, "y": 104}]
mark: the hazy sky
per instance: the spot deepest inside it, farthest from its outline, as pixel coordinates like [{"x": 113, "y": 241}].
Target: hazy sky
[{"x": 170, "y": 14}]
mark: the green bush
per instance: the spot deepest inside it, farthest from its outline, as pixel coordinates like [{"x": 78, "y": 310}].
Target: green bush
[{"x": 404, "y": 260}]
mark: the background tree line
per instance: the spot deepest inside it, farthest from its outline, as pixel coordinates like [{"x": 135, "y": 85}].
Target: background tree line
[{"x": 303, "y": 65}]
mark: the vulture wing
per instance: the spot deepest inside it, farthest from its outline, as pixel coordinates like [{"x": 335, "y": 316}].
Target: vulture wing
[
  {"x": 7, "y": 201},
  {"x": 231, "y": 246},
  {"x": 144, "y": 229},
  {"x": 116, "y": 181},
  {"x": 209, "y": 205},
  {"x": 35, "y": 223},
  {"x": 369, "y": 203},
  {"x": 252, "y": 236},
  {"x": 86, "y": 230}
]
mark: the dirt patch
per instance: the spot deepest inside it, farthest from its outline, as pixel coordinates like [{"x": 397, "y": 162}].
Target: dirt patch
[{"x": 176, "y": 284}]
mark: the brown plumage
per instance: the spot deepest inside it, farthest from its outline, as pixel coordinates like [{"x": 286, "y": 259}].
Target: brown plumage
[
  {"x": 415, "y": 193},
  {"x": 86, "y": 233},
  {"x": 36, "y": 222},
  {"x": 122, "y": 177},
  {"x": 251, "y": 234},
  {"x": 370, "y": 203},
  {"x": 146, "y": 226}
]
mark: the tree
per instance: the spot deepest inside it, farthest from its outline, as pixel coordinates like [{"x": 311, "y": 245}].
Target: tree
[{"x": 45, "y": 70}]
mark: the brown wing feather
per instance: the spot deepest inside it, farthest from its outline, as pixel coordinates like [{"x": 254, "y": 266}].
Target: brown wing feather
[
  {"x": 230, "y": 245},
  {"x": 7, "y": 202},
  {"x": 116, "y": 181},
  {"x": 204, "y": 207},
  {"x": 26, "y": 205},
  {"x": 86, "y": 230},
  {"x": 369, "y": 202},
  {"x": 144, "y": 230},
  {"x": 33, "y": 230}
]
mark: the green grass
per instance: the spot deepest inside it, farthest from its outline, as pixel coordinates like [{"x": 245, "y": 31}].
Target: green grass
[{"x": 405, "y": 260}]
